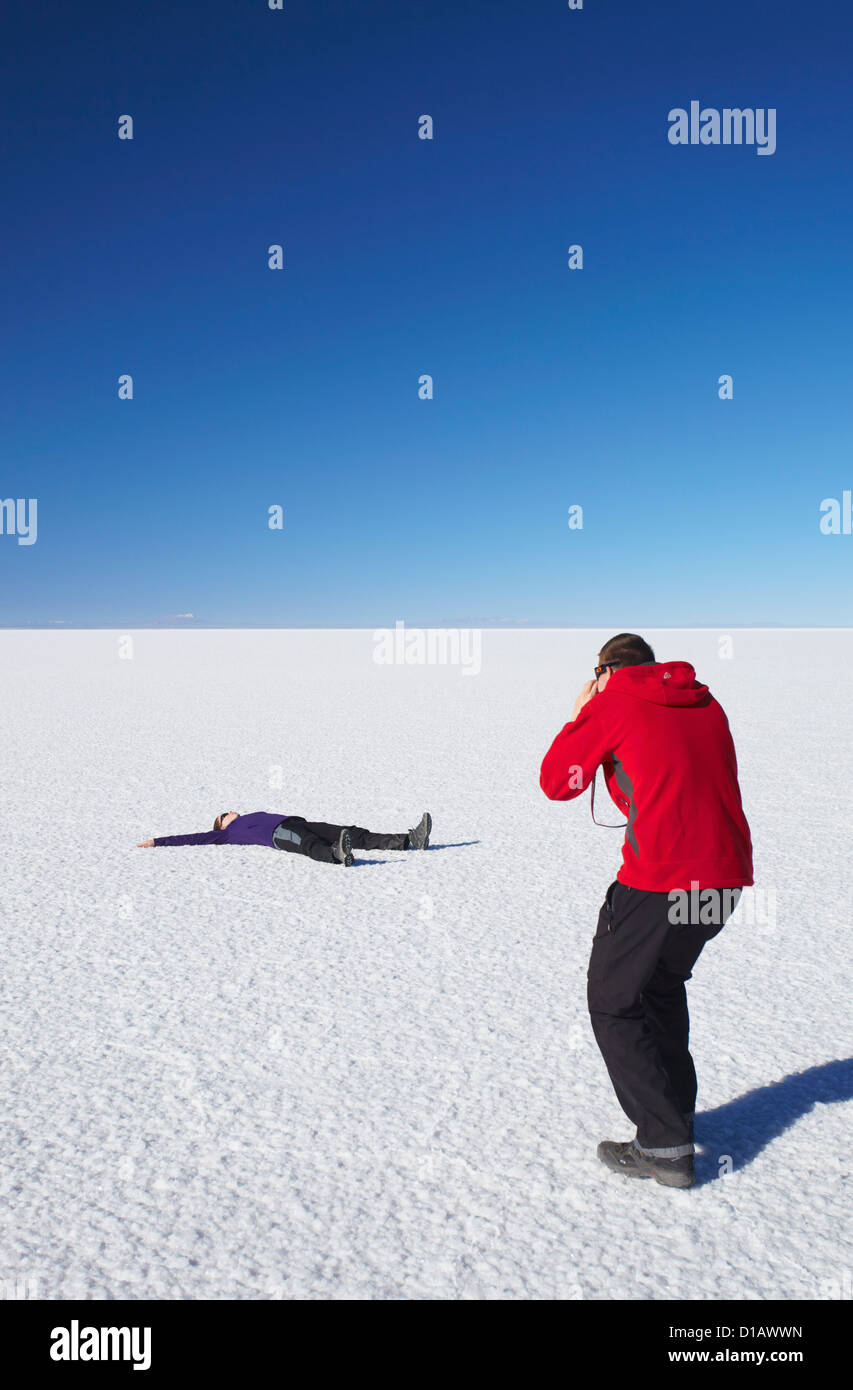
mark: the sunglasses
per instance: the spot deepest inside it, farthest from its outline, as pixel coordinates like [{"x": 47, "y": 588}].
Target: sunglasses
[
  {"x": 221, "y": 817},
  {"x": 608, "y": 666}
]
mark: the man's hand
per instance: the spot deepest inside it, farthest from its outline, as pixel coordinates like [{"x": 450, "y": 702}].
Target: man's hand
[
  {"x": 585, "y": 696},
  {"x": 146, "y": 844}
]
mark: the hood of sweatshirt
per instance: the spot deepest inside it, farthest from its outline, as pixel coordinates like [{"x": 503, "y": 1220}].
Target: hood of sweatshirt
[{"x": 661, "y": 682}]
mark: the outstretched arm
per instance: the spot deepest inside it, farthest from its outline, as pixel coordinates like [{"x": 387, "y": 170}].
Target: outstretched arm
[{"x": 204, "y": 837}]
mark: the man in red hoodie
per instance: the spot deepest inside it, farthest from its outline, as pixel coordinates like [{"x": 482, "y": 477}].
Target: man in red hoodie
[{"x": 669, "y": 763}]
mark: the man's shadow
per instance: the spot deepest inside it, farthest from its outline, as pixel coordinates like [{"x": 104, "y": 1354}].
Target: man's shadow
[{"x": 739, "y": 1130}]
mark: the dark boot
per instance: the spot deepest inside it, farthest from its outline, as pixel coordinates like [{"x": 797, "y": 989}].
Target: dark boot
[
  {"x": 632, "y": 1162},
  {"x": 419, "y": 837},
  {"x": 342, "y": 850}
]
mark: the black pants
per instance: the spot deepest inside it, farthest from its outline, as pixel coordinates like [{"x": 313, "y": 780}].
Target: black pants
[
  {"x": 316, "y": 837},
  {"x": 640, "y": 961}
]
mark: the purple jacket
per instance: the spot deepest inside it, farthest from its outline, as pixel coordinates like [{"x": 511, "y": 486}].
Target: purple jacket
[{"x": 254, "y": 829}]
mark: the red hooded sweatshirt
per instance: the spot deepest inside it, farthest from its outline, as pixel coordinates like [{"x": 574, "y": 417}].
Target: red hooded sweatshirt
[{"x": 669, "y": 764}]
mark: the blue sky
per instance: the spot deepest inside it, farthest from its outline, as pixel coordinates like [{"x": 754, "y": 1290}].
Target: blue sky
[{"x": 255, "y": 387}]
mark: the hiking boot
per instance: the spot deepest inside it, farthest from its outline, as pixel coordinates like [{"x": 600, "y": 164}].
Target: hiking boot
[
  {"x": 342, "y": 850},
  {"x": 632, "y": 1162},
  {"x": 419, "y": 837}
]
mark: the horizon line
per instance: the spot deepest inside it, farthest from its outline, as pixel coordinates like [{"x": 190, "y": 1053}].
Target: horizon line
[{"x": 371, "y": 627}]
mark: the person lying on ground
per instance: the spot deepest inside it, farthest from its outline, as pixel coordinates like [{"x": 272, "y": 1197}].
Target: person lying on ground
[{"x": 329, "y": 844}]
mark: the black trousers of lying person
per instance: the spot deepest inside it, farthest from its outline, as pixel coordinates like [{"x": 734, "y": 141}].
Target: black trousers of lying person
[{"x": 316, "y": 838}]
